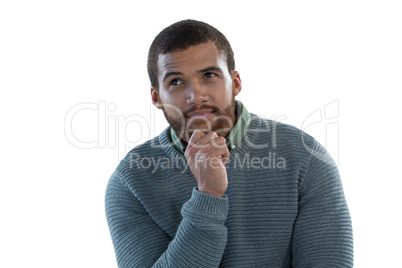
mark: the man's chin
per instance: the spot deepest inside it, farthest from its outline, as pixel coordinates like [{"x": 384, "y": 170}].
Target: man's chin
[
  {"x": 186, "y": 135},
  {"x": 221, "y": 123}
]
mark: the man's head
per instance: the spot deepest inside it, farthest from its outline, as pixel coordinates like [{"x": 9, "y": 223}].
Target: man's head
[
  {"x": 180, "y": 36},
  {"x": 193, "y": 81}
]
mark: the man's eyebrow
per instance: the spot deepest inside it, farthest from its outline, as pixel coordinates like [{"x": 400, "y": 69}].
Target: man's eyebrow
[
  {"x": 212, "y": 68},
  {"x": 169, "y": 74}
]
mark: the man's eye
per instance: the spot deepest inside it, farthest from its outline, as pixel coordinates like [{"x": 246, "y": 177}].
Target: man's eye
[
  {"x": 175, "y": 82},
  {"x": 210, "y": 75}
]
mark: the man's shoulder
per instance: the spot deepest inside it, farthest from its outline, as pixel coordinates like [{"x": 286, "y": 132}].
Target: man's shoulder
[
  {"x": 280, "y": 133},
  {"x": 291, "y": 141}
]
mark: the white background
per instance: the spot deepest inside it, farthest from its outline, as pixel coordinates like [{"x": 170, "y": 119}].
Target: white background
[{"x": 294, "y": 58}]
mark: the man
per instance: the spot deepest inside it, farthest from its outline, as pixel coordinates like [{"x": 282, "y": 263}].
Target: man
[{"x": 222, "y": 186}]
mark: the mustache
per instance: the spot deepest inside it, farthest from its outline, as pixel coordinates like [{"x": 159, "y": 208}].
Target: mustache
[{"x": 201, "y": 107}]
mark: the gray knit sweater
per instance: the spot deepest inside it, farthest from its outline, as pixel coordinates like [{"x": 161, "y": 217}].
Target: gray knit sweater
[{"x": 284, "y": 206}]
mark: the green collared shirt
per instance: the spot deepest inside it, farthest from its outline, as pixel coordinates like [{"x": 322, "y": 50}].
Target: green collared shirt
[{"x": 236, "y": 134}]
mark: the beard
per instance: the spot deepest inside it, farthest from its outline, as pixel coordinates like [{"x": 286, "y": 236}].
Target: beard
[{"x": 221, "y": 123}]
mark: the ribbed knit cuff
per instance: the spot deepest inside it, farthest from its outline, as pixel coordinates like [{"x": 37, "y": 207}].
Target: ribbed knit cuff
[{"x": 205, "y": 205}]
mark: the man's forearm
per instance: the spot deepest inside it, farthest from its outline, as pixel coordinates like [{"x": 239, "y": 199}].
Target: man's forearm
[{"x": 201, "y": 237}]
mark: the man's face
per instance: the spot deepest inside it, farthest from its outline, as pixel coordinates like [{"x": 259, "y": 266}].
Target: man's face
[{"x": 196, "y": 90}]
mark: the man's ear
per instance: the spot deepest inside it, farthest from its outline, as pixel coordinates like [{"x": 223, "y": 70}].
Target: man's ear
[
  {"x": 236, "y": 82},
  {"x": 155, "y": 98}
]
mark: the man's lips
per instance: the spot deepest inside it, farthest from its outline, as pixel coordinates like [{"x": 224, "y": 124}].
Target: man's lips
[{"x": 200, "y": 113}]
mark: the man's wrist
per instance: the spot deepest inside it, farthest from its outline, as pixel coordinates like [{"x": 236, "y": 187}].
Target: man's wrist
[{"x": 210, "y": 192}]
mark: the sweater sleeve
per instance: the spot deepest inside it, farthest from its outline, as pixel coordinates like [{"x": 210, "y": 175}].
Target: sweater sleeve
[
  {"x": 322, "y": 234},
  {"x": 139, "y": 242}
]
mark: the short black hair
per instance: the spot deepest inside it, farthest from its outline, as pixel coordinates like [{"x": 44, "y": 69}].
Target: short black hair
[{"x": 180, "y": 36}]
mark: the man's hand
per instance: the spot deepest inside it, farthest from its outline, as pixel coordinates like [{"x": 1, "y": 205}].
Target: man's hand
[{"x": 207, "y": 155}]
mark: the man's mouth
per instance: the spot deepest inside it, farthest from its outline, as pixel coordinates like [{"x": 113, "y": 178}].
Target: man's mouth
[{"x": 200, "y": 114}]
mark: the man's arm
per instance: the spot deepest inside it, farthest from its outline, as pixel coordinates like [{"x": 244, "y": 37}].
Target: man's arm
[
  {"x": 139, "y": 242},
  {"x": 322, "y": 235}
]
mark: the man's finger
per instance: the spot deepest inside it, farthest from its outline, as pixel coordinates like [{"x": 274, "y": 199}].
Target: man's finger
[
  {"x": 195, "y": 137},
  {"x": 220, "y": 153},
  {"x": 200, "y": 138},
  {"x": 207, "y": 143}
]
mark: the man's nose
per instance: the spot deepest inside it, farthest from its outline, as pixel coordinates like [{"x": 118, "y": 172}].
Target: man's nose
[{"x": 196, "y": 93}]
